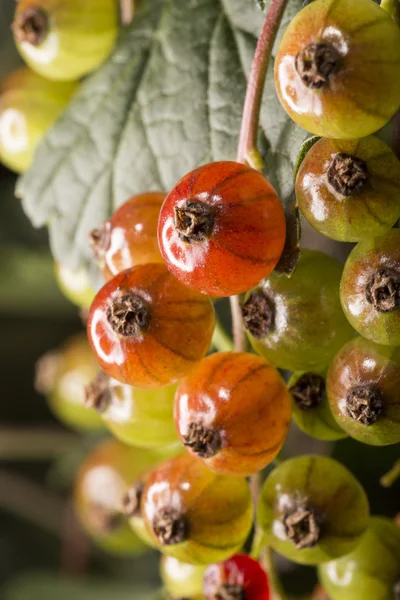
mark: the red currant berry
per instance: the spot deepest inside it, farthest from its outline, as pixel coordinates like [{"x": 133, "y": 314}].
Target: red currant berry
[
  {"x": 129, "y": 237},
  {"x": 370, "y": 288},
  {"x": 195, "y": 515},
  {"x": 337, "y": 70},
  {"x": 297, "y": 323},
  {"x": 363, "y": 391},
  {"x": 233, "y": 411},
  {"x": 103, "y": 479},
  {"x": 312, "y": 509},
  {"x": 147, "y": 329},
  {"x": 349, "y": 190},
  {"x": 238, "y": 578},
  {"x": 222, "y": 229}
]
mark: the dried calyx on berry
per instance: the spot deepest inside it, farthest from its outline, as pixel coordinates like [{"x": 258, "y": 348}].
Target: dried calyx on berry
[
  {"x": 204, "y": 441},
  {"x": 316, "y": 63},
  {"x": 132, "y": 499},
  {"x": 170, "y": 527},
  {"x": 230, "y": 591},
  {"x": 31, "y": 25},
  {"x": 97, "y": 393},
  {"x": 194, "y": 221},
  {"x": 383, "y": 290},
  {"x": 129, "y": 315},
  {"x": 365, "y": 404},
  {"x": 309, "y": 391},
  {"x": 99, "y": 240},
  {"x": 347, "y": 174},
  {"x": 302, "y": 527},
  {"x": 258, "y": 314}
]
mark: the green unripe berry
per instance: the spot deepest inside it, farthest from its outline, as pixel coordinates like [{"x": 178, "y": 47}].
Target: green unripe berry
[{"x": 65, "y": 40}]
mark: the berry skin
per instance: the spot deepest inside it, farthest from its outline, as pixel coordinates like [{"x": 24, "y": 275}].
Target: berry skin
[
  {"x": 182, "y": 580},
  {"x": 222, "y": 229},
  {"x": 370, "y": 288},
  {"x": 75, "y": 285},
  {"x": 62, "y": 375},
  {"x": 236, "y": 578},
  {"x": 103, "y": 479},
  {"x": 337, "y": 69},
  {"x": 297, "y": 323},
  {"x": 312, "y": 509},
  {"x": 233, "y": 412},
  {"x": 147, "y": 329},
  {"x": 371, "y": 571},
  {"x": 29, "y": 106},
  {"x": 349, "y": 190},
  {"x": 310, "y": 407},
  {"x": 137, "y": 417},
  {"x": 129, "y": 237},
  {"x": 195, "y": 515},
  {"x": 65, "y": 40},
  {"x": 363, "y": 391}
]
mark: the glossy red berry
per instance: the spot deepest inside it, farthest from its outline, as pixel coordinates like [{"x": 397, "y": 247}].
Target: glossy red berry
[
  {"x": 233, "y": 412},
  {"x": 195, "y": 515},
  {"x": 363, "y": 391},
  {"x": 147, "y": 329},
  {"x": 129, "y": 237},
  {"x": 349, "y": 190},
  {"x": 222, "y": 229},
  {"x": 337, "y": 69},
  {"x": 370, "y": 288},
  {"x": 240, "y": 577}
]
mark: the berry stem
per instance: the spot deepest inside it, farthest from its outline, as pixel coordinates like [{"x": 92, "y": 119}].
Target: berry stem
[
  {"x": 34, "y": 444},
  {"x": 267, "y": 560},
  {"x": 389, "y": 478},
  {"x": 247, "y": 150},
  {"x": 221, "y": 340},
  {"x": 127, "y": 10},
  {"x": 239, "y": 334}
]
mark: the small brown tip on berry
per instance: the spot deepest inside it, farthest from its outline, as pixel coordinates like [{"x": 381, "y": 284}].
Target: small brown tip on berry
[
  {"x": 347, "y": 174},
  {"x": 229, "y": 591},
  {"x": 131, "y": 501},
  {"x": 129, "y": 315},
  {"x": 258, "y": 314},
  {"x": 46, "y": 372},
  {"x": 170, "y": 527},
  {"x": 31, "y": 26},
  {"x": 203, "y": 441},
  {"x": 194, "y": 221},
  {"x": 97, "y": 393},
  {"x": 104, "y": 519},
  {"x": 316, "y": 63},
  {"x": 308, "y": 391},
  {"x": 383, "y": 290},
  {"x": 302, "y": 527},
  {"x": 99, "y": 240},
  {"x": 365, "y": 404}
]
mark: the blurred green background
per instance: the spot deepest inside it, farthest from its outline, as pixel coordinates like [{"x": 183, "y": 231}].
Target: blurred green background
[{"x": 43, "y": 552}]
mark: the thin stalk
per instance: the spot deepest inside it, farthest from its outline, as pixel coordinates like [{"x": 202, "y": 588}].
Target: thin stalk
[
  {"x": 221, "y": 340},
  {"x": 239, "y": 334},
  {"x": 277, "y": 592},
  {"x": 127, "y": 10},
  {"x": 247, "y": 150},
  {"x": 34, "y": 444},
  {"x": 389, "y": 479}
]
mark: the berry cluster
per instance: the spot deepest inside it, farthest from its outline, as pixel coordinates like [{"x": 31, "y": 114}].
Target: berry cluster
[{"x": 191, "y": 426}]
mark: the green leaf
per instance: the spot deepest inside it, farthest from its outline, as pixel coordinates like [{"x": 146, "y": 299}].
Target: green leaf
[{"x": 169, "y": 99}]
